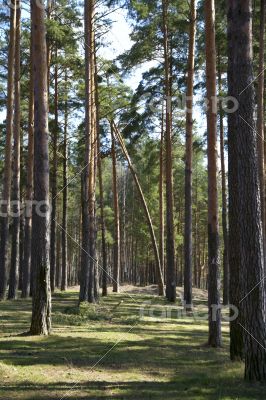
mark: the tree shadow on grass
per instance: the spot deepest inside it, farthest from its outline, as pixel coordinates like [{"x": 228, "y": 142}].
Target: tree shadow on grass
[{"x": 197, "y": 386}]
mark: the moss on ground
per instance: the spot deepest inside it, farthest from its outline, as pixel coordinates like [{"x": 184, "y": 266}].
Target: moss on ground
[{"x": 149, "y": 355}]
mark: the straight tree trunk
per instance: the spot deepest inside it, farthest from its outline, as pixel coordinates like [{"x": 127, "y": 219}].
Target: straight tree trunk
[
  {"x": 244, "y": 178},
  {"x": 170, "y": 235},
  {"x": 41, "y": 301},
  {"x": 103, "y": 229},
  {"x": 26, "y": 268},
  {"x": 224, "y": 198},
  {"x": 88, "y": 289},
  {"x": 64, "y": 282},
  {"x": 5, "y": 206},
  {"x": 54, "y": 180},
  {"x": 116, "y": 268},
  {"x": 235, "y": 293},
  {"x": 188, "y": 265},
  {"x": 261, "y": 116},
  {"x": 14, "y": 268},
  {"x": 215, "y": 339},
  {"x": 161, "y": 196}
]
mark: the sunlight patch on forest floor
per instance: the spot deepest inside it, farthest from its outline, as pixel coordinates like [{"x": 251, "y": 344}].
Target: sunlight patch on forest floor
[{"x": 158, "y": 358}]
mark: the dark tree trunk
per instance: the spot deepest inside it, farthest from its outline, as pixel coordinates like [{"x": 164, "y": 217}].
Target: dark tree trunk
[
  {"x": 188, "y": 170},
  {"x": 5, "y": 206},
  {"x": 41, "y": 302},
  {"x": 170, "y": 235},
  {"x": 245, "y": 197},
  {"x": 215, "y": 339},
  {"x": 14, "y": 267},
  {"x": 261, "y": 116}
]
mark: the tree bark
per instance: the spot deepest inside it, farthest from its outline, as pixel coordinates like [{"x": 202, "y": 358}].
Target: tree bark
[
  {"x": 14, "y": 268},
  {"x": 116, "y": 247},
  {"x": 215, "y": 339},
  {"x": 170, "y": 234},
  {"x": 5, "y": 205},
  {"x": 261, "y": 116},
  {"x": 41, "y": 302},
  {"x": 188, "y": 265},
  {"x": 243, "y": 172}
]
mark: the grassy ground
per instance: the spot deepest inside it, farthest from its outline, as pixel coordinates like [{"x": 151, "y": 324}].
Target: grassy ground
[{"x": 147, "y": 357}]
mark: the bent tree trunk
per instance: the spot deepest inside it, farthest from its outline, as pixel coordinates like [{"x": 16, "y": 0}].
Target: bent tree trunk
[
  {"x": 242, "y": 147},
  {"x": 148, "y": 217},
  {"x": 215, "y": 339},
  {"x": 5, "y": 205},
  {"x": 188, "y": 169},
  {"x": 41, "y": 301}
]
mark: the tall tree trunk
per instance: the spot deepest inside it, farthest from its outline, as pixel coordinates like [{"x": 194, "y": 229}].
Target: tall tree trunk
[
  {"x": 54, "y": 180},
  {"x": 64, "y": 282},
  {"x": 26, "y": 269},
  {"x": 215, "y": 339},
  {"x": 244, "y": 182},
  {"x": 224, "y": 197},
  {"x": 145, "y": 207},
  {"x": 101, "y": 204},
  {"x": 189, "y": 154},
  {"x": 161, "y": 196},
  {"x": 14, "y": 268},
  {"x": 116, "y": 267},
  {"x": 88, "y": 259},
  {"x": 170, "y": 235},
  {"x": 261, "y": 116},
  {"x": 235, "y": 294},
  {"x": 5, "y": 205},
  {"x": 41, "y": 302}
]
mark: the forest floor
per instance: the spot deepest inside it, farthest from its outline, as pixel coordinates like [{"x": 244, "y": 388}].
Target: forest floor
[{"x": 125, "y": 348}]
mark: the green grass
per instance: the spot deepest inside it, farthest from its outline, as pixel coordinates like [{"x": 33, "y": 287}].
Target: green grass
[{"x": 155, "y": 358}]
